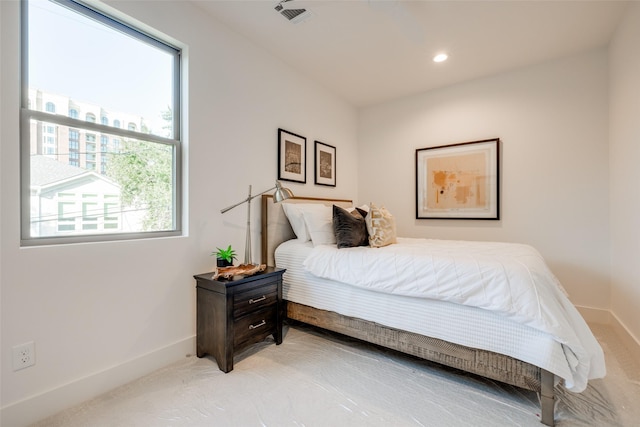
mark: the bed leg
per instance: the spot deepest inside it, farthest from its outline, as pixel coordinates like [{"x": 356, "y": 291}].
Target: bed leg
[{"x": 547, "y": 399}]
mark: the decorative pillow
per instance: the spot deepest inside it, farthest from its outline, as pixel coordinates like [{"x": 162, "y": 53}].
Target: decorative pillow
[
  {"x": 294, "y": 213},
  {"x": 381, "y": 226},
  {"x": 349, "y": 228},
  {"x": 319, "y": 220}
]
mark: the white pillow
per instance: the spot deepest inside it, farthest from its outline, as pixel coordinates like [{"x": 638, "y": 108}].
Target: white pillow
[
  {"x": 319, "y": 220},
  {"x": 293, "y": 211}
]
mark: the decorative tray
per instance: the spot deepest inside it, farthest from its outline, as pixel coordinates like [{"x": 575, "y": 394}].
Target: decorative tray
[{"x": 239, "y": 270}]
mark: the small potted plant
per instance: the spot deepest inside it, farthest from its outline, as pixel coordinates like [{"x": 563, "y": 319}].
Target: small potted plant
[{"x": 224, "y": 257}]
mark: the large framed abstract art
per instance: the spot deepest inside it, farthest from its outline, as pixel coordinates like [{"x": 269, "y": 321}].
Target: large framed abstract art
[{"x": 458, "y": 181}]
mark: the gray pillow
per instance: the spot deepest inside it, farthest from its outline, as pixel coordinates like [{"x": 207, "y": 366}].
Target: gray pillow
[{"x": 350, "y": 228}]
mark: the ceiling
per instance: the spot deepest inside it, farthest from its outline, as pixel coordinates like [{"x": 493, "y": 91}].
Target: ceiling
[{"x": 372, "y": 51}]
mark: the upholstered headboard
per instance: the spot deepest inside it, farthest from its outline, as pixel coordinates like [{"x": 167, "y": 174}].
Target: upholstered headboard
[{"x": 275, "y": 225}]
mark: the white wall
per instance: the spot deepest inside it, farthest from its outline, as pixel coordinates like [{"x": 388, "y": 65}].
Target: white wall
[
  {"x": 103, "y": 314},
  {"x": 624, "y": 57},
  {"x": 552, "y": 120}
]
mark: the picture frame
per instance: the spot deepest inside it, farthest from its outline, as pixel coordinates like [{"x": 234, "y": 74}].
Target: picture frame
[
  {"x": 292, "y": 157},
  {"x": 325, "y": 164},
  {"x": 458, "y": 181}
]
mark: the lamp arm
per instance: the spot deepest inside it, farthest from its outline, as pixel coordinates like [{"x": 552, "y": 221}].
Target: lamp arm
[{"x": 248, "y": 199}]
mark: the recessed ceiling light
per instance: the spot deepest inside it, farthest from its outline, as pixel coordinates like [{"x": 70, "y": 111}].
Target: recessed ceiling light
[{"x": 440, "y": 57}]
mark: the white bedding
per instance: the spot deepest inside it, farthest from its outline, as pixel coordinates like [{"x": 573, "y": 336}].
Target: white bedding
[{"x": 565, "y": 346}]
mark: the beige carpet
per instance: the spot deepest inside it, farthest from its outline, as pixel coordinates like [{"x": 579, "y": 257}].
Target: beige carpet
[{"x": 316, "y": 378}]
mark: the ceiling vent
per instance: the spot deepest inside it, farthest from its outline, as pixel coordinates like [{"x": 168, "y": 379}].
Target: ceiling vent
[{"x": 294, "y": 16}]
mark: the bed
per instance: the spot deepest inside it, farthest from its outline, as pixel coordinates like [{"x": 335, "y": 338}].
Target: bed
[{"x": 468, "y": 338}]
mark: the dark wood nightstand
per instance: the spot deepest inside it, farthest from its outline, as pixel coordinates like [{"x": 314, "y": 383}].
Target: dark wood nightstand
[{"x": 234, "y": 313}]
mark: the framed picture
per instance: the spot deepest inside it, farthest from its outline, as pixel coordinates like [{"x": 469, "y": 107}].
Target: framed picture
[
  {"x": 292, "y": 157},
  {"x": 458, "y": 181},
  {"x": 325, "y": 164}
]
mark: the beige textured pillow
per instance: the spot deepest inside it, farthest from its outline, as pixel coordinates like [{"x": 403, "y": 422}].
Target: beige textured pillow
[{"x": 381, "y": 226}]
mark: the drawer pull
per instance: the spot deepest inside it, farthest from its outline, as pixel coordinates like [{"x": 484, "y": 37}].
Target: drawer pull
[
  {"x": 253, "y": 301},
  {"x": 258, "y": 325}
]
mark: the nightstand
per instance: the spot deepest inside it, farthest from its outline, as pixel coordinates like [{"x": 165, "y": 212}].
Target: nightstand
[{"x": 234, "y": 313}]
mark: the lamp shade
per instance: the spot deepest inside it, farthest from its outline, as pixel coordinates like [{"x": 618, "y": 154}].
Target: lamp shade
[{"x": 281, "y": 193}]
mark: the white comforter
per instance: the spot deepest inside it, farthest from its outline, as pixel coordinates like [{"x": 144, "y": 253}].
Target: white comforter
[{"x": 510, "y": 279}]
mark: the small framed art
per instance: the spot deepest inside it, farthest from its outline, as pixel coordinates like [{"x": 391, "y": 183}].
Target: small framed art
[
  {"x": 292, "y": 157},
  {"x": 325, "y": 164},
  {"x": 458, "y": 181}
]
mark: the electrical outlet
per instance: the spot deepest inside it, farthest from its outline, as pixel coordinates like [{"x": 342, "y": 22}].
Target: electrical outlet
[{"x": 24, "y": 355}]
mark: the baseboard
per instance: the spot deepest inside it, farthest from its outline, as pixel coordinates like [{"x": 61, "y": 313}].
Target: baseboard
[
  {"x": 606, "y": 317},
  {"x": 43, "y": 405},
  {"x": 628, "y": 339}
]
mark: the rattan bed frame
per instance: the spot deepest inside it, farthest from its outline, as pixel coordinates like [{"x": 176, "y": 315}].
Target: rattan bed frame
[{"x": 276, "y": 229}]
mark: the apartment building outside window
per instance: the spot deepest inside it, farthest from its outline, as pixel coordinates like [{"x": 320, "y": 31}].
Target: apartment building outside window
[{"x": 74, "y": 190}]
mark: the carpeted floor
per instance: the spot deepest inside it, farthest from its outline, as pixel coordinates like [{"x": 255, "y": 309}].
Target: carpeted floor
[{"x": 317, "y": 378}]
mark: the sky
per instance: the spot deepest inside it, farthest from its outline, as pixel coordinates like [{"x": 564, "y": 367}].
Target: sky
[{"x": 74, "y": 56}]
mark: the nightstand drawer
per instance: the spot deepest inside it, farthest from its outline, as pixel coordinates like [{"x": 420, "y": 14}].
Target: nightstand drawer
[
  {"x": 254, "y": 299},
  {"x": 254, "y": 327}
]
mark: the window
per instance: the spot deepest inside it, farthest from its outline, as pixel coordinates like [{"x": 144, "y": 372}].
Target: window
[
  {"x": 66, "y": 212},
  {"x": 135, "y": 192},
  {"x": 104, "y": 143},
  {"x": 111, "y": 211},
  {"x": 48, "y": 140},
  {"x": 90, "y": 211},
  {"x": 74, "y": 140}
]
